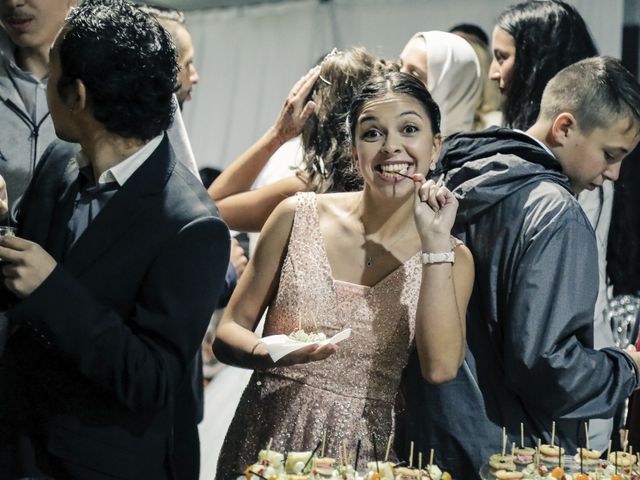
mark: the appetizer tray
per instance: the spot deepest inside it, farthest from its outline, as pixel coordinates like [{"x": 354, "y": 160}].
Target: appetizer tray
[{"x": 569, "y": 465}]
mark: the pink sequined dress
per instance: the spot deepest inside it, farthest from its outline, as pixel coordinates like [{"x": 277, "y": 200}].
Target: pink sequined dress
[{"x": 351, "y": 394}]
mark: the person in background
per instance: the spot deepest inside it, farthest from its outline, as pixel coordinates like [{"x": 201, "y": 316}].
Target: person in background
[
  {"x": 530, "y": 355},
  {"x": 450, "y": 69},
  {"x": 110, "y": 300},
  {"x": 29, "y": 29},
  {"x": 174, "y": 22},
  {"x": 531, "y": 42},
  {"x": 522, "y": 66},
  {"x": 316, "y": 108},
  {"x": 488, "y": 112},
  {"x": 206, "y": 365}
]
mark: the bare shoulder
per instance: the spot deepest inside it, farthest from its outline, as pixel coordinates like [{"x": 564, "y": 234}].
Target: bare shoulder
[
  {"x": 463, "y": 252},
  {"x": 336, "y": 204},
  {"x": 464, "y": 260},
  {"x": 282, "y": 216}
]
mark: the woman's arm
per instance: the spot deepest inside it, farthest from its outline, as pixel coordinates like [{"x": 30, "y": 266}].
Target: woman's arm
[
  {"x": 235, "y": 342},
  {"x": 240, "y": 175},
  {"x": 441, "y": 315},
  {"x": 248, "y": 211},
  {"x": 445, "y": 288}
]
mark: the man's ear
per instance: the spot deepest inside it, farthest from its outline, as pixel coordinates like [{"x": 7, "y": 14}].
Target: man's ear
[
  {"x": 563, "y": 127},
  {"x": 78, "y": 97}
]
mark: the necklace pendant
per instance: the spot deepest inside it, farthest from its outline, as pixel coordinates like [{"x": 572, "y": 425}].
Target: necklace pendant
[{"x": 369, "y": 262}]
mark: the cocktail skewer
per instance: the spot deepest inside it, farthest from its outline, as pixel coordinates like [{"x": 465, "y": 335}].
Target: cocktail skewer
[
  {"x": 431, "y": 462},
  {"x": 311, "y": 456},
  {"x": 411, "y": 456},
  {"x": 386, "y": 453},
  {"x": 355, "y": 467},
  {"x": 504, "y": 441},
  {"x": 375, "y": 452}
]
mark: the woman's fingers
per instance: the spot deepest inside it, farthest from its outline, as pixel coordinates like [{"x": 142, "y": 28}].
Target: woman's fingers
[
  {"x": 432, "y": 198},
  {"x": 307, "y": 111},
  {"x": 325, "y": 351},
  {"x": 309, "y": 353},
  {"x": 304, "y": 85},
  {"x": 428, "y": 193}
]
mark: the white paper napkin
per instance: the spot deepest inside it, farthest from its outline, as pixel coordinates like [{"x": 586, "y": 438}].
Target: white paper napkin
[{"x": 280, "y": 345}]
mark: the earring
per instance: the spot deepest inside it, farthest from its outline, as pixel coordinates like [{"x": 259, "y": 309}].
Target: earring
[{"x": 432, "y": 167}]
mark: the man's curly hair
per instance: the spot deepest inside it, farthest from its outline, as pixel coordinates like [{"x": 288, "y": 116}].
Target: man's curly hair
[{"x": 127, "y": 63}]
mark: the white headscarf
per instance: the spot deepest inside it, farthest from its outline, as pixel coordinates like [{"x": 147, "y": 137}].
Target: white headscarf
[{"x": 453, "y": 79}]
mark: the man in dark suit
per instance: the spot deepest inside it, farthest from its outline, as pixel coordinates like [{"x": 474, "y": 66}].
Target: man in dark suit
[{"x": 116, "y": 270}]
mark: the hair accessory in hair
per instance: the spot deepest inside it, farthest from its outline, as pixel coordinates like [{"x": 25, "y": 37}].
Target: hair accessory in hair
[{"x": 332, "y": 53}]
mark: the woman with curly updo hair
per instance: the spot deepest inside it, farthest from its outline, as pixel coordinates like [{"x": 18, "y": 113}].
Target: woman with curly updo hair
[{"x": 316, "y": 108}]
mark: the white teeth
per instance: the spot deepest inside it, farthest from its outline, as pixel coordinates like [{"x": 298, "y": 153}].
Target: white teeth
[{"x": 394, "y": 168}]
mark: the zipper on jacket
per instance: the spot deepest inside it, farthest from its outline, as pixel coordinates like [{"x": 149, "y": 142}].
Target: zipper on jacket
[{"x": 33, "y": 128}]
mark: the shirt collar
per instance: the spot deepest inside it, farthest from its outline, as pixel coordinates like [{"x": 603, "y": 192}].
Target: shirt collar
[
  {"x": 542, "y": 144},
  {"x": 121, "y": 172}
]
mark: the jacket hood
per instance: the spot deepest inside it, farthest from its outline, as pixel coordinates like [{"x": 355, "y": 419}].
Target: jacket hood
[{"x": 482, "y": 168}]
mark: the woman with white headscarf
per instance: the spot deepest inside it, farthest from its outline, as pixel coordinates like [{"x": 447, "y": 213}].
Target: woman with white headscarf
[{"x": 450, "y": 69}]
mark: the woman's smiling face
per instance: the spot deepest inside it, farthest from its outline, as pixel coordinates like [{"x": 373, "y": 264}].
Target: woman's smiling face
[{"x": 393, "y": 135}]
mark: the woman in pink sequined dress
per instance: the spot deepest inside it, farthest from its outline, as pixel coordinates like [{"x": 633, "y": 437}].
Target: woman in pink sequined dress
[{"x": 351, "y": 260}]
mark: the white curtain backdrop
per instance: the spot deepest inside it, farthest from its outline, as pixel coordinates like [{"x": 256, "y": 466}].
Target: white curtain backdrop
[{"x": 248, "y": 57}]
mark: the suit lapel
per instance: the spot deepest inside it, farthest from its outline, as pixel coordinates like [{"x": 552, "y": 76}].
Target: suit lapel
[
  {"x": 129, "y": 202},
  {"x": 59, "y": 231},
  {"x": 48, "y": 201}
]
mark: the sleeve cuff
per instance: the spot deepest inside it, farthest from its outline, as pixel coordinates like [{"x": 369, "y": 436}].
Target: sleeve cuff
[{"x": 634, "y": 366}]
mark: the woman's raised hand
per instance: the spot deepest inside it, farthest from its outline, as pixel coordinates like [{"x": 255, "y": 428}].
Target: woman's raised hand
[
  {"x": 296, "y": 109},
  {"x": 435, "y": 209}
]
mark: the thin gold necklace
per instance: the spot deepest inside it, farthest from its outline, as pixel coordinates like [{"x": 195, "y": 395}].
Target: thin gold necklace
[{"x": 386, "y": 249}]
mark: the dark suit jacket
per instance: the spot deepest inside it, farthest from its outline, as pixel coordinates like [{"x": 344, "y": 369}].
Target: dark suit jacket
[{"x": 96, "y": 371}]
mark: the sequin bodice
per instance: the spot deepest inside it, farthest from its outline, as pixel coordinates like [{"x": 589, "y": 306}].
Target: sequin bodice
[
  {"x": 350, "y": 395},
  {"x": 381, "y": 316}
]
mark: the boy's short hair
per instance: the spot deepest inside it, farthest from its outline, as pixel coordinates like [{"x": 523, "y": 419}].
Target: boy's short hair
[{"x": 597, "y": 91}]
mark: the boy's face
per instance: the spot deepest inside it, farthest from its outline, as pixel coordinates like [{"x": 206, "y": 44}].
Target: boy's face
[
  {"x": 33, "y": 23},
  {"x": 590, "y": 159}
]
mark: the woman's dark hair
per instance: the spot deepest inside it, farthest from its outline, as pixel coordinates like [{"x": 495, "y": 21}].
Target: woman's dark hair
[
  {"x": 127, "y": 63},
  {"x": 397, "y": 83},
  {"x": 549, "y": 35},
  {"x": 328, "y": 163}
]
